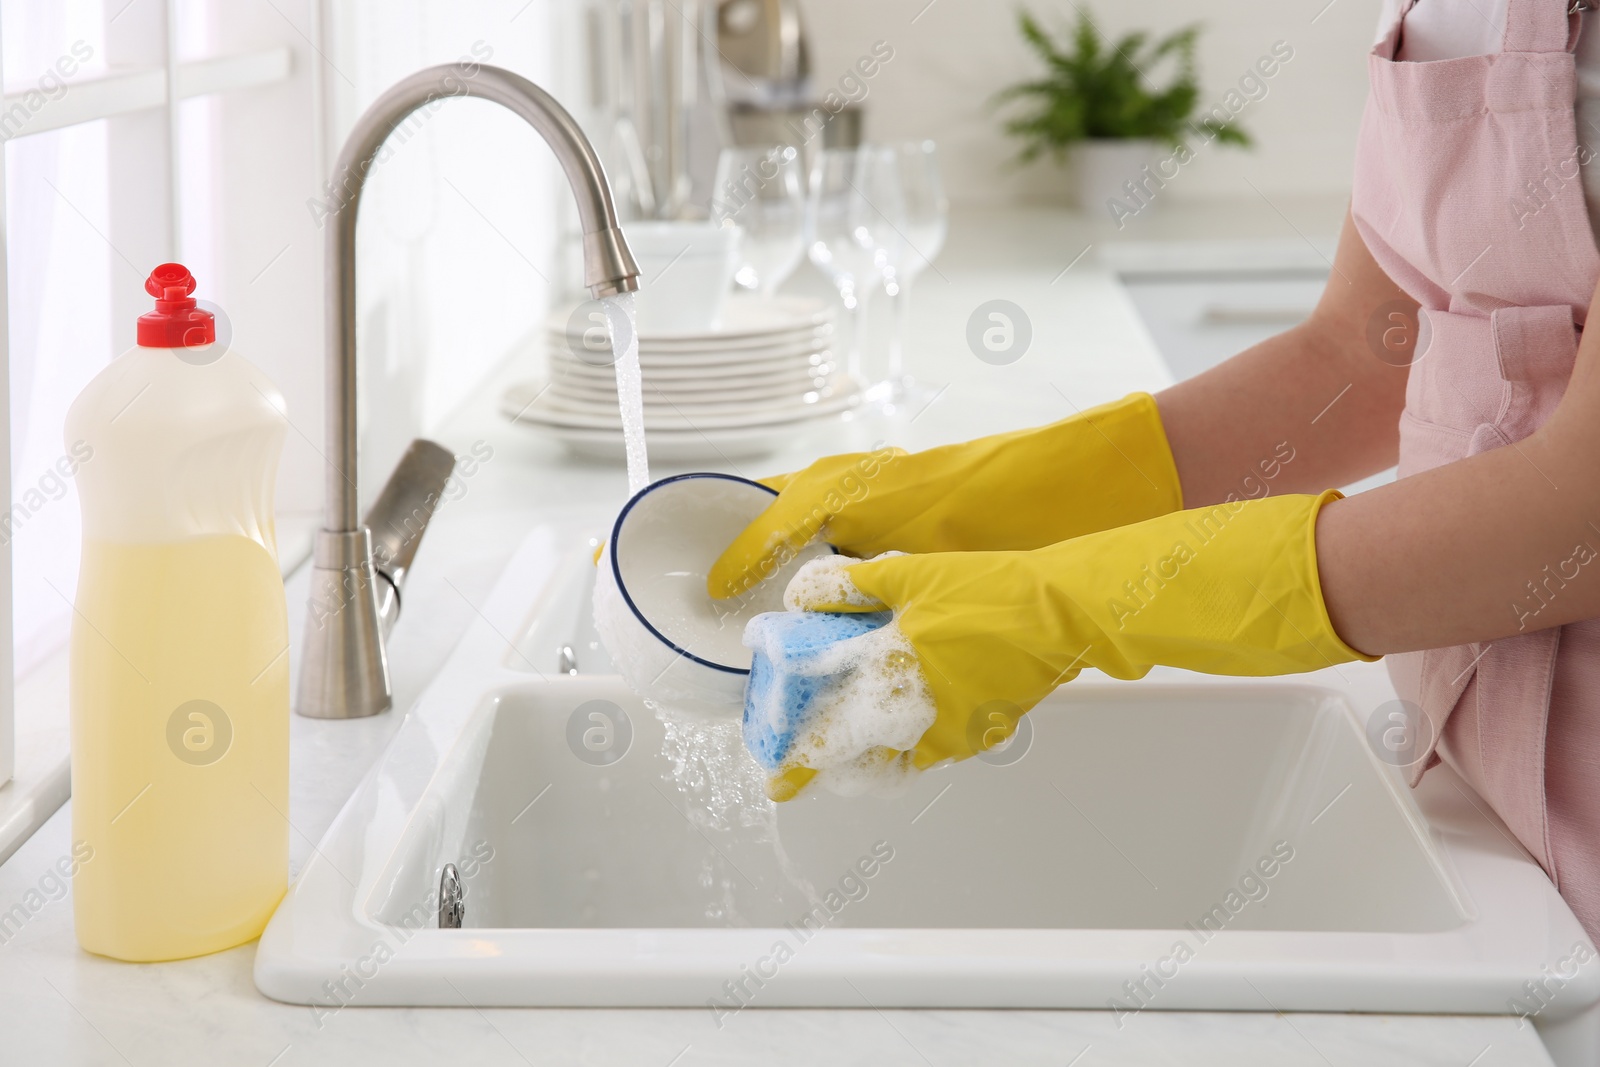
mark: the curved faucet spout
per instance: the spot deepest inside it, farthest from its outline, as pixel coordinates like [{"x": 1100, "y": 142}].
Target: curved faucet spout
[
  {"x": 608, "y": 265},
  {"x": 344, "y": 670}
]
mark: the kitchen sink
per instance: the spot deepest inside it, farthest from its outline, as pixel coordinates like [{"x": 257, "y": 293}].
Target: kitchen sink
[{"x": 1204, "y": 844}]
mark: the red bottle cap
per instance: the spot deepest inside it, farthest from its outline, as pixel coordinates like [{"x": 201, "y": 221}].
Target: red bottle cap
[{"x": 176, "y": 322}]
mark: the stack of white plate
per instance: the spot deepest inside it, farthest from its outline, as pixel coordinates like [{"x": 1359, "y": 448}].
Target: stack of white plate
[{"x": 743, "y": 388}]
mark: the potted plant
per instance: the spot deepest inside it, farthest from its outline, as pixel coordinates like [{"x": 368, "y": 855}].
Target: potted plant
[{"x": 1094, "y": 104}]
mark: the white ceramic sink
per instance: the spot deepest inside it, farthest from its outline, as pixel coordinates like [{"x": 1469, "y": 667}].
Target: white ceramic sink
[{"x": 1198, "y": 846}]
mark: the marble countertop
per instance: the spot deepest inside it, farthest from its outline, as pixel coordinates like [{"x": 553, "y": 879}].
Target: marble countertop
[{"x": 59, "y": 1005}]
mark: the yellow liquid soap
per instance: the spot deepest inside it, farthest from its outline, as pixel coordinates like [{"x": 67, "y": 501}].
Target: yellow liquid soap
[{"x": 180, "y": 746}]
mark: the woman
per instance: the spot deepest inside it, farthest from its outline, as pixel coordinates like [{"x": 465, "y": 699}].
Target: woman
[{"x": 1036, "y": 554}]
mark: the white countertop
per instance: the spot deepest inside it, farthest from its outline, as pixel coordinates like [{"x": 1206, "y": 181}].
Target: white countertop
[{"x": 59, "y": 1005}]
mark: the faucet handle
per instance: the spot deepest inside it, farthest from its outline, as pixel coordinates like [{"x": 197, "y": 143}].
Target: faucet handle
[
  {"x": 400, "y": 516},
  {"x": 356, "y": 577}
]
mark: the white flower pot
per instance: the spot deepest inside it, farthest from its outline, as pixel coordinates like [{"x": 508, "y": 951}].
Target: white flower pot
[{"x": 1104, "y": 167}]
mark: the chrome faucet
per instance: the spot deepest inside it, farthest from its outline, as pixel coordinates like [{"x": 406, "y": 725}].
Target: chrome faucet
[{"x": 355, "y": 592}]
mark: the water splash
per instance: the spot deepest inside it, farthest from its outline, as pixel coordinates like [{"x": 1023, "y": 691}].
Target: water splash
[
  {"x": 727, "y": 802},
  {"x": 707, "y": 761},
  {"x": 620, "y": 317}
]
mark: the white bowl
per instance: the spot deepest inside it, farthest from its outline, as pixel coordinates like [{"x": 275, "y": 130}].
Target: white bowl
[
  {"x": 685, "y": 273},
  {"x": 670, "y": 641}
]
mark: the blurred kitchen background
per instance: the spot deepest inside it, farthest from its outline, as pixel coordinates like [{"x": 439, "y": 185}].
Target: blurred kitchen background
[{"x": 139, "y": 131}]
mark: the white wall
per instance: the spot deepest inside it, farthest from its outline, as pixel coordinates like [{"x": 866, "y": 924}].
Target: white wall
[
  {"x": 459, "y": 224},
  {"x": 250, "y": 163},
  {"x": 950, "y": 60}
]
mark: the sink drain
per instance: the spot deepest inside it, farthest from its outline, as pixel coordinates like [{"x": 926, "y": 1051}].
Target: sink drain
[{"x": 452, "y": 906}]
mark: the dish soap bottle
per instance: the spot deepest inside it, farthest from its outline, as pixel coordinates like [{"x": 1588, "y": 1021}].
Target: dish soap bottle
[{"x": 180, "y": 644}]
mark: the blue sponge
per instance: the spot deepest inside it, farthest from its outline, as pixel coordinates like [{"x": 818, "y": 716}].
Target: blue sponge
[{"x": 784, "y": 680}]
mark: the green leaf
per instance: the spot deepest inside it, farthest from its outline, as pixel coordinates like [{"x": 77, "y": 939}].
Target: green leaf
[
  {"x": 1095, "y": 88},
  {"x": 1227, "y": 134}
]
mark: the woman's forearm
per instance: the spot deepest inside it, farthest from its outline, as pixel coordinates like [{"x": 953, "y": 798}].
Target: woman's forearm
[
  {"x": 1504, "y": 542},
  {"x": 1311, "y": 408}
]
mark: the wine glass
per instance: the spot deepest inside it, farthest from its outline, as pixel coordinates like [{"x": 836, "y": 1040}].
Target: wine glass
[
  {"x": 925, "y": 224},
  {"x": 853, "y": 231},
  {"x": 762, "y": 191}
]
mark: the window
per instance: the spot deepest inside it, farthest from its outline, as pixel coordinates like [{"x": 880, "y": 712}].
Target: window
[
  {"x": 203, "y": 131},
  {"x": 115, "y": 121}
]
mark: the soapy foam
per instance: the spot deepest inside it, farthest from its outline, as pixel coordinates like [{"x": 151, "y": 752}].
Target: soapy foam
[
  {"x": 824, "y": 581},
  {"x": 857, "y": 700},
  {"x": 784, "y": 682}
]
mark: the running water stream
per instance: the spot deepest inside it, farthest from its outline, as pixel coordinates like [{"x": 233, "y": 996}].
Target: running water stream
[
  {"x": 708, "y": 764},
  {"x": 620, "y": 316}
]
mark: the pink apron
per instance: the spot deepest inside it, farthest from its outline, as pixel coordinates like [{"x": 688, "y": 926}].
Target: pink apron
[{"x": 1467, "y": 192}]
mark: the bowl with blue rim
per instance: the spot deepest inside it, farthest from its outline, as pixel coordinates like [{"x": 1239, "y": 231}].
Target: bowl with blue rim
[{"x": 670, "y": 640}]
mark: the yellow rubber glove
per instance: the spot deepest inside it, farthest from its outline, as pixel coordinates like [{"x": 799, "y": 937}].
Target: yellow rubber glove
[
  {"x": 1107, "y": 467},
  {"x": 1230, "y": 590}
]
